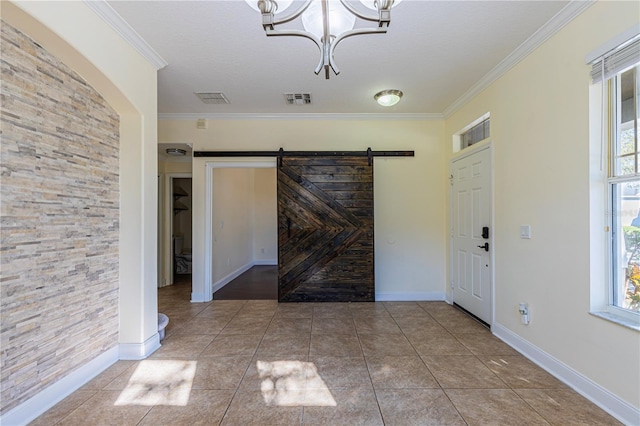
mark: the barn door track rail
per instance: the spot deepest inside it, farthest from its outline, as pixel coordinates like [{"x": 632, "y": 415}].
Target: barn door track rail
[{"x": 301, "y": 154}]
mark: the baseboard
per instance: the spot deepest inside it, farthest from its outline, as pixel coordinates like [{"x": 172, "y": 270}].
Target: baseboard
[
  {"x": 136, "y": 351},
  {"x": 406, "y": 297},
  {"x": 198, "y": 298},
  {"x": 595, "y": 393},
  {"x": 270, "y": 262},
  {"x": 47, "y": 398},
  {"x": 232, "y": 276}
]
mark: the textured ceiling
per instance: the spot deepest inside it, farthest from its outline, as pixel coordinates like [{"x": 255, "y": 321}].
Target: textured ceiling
[{"x": 434, "y": 52}]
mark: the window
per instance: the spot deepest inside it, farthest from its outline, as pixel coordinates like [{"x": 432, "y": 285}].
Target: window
[
  {"x": 624, "y": 188},
  {"x": 477, "y": 133},
  {"x": 615, "y": 97}
]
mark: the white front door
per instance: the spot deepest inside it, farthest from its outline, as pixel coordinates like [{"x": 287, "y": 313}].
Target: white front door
[{"x": 472, "y": 248}]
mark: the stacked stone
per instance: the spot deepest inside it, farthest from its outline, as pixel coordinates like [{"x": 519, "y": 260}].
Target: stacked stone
[{"x": 59, "y": 205}]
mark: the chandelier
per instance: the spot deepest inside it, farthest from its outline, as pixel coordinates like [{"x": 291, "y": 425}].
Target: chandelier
[{"x": 326, "y": 22}]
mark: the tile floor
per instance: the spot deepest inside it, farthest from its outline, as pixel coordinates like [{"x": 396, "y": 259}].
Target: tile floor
[{"x": 256, "y": 362}]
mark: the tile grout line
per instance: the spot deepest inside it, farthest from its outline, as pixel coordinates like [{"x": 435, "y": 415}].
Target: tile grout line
[
  {"x": 248, "y": 366},
  {"x": 375, "y": 394}
]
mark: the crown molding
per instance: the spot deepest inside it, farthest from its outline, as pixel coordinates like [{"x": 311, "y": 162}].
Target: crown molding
[
  {"x": 552, "y": 26},
  {"x": 113, "y": 19},
  {"x": 298, "y": 116}
]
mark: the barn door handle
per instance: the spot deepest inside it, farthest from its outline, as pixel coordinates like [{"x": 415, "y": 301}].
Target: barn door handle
[
  {"x": 485, "y": 246},
  {"x": 288, "y": 228}
]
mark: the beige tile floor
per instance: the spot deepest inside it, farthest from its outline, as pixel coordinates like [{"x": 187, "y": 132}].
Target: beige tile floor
[{"x": 261, "y": 363}]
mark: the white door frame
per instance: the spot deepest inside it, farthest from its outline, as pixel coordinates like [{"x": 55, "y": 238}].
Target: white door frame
[
  {"x": 246, "y": 163},
  {"x": 161, "y": 236},
  {"x": 167, "y": 265},
  {"x": 467, "y": 152}
]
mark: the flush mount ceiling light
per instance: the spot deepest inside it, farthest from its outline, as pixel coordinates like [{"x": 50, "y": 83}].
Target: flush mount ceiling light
[
  {"x": 176, "y": 151},
  {"x": 388, "y": 97},
  {"x": 326, "y": 22}
]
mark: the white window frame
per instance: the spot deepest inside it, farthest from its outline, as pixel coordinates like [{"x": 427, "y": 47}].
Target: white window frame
[
  {"x": 603, "y": 305},
  {"x": 457, "y": 144},
  {"x": 613, "y": 94}
]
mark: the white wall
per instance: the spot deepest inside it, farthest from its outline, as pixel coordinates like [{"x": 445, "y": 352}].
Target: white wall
[
  {"x": 540, "y": 133},
  {"x": 232, "y": 220},
  {"x": 265, "y": 217},
  {"x": 174, "y": 167},
  {"x": 410, "y": 199}
]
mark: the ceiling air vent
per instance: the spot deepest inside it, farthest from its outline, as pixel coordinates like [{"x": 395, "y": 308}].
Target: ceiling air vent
[
  {"x": 297, "y": 98},
  {"x": 213, "y": 97}
]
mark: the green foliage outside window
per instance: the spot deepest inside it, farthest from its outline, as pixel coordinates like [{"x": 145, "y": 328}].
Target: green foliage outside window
[{"x": 632, "y": 276}]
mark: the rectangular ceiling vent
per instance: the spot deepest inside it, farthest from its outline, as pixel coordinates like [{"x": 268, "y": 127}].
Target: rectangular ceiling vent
[
  {"x": 297, "y": 98},
  {"x": 213, "y": 97}
]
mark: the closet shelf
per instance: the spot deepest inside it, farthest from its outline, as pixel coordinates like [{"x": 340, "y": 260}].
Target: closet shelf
[
  {"x": 179, "y": 192},
  {"x": 178, "y": 207}
]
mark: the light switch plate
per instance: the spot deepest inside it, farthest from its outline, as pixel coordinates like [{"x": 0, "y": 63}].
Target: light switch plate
[{"x": 525, "y": 231}]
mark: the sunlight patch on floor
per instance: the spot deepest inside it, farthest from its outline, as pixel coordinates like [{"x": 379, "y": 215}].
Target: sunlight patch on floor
[
  {"x": 293, "y": 383},
  {"x": 159, "y": 382}
]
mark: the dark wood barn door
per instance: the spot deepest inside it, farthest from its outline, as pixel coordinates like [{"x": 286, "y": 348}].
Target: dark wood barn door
[{"x": 325, "y": 229}]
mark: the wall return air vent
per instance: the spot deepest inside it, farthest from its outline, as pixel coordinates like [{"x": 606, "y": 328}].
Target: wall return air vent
[
  {"x": 297, "y": 98},
  {"x": 213, "y": 97}
]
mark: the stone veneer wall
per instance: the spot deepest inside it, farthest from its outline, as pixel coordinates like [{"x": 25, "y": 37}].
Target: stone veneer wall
[{"x": 59, "y": 210}]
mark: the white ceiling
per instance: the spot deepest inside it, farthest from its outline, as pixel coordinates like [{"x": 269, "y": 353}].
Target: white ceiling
[{"x": 434, "y": 51}]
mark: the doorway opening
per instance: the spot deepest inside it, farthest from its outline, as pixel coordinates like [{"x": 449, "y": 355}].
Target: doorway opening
[
  {"x": 181, "y": 228},
  {"x": 241, "y": 230}
]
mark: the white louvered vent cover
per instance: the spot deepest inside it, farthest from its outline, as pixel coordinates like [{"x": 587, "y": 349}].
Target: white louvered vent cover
[
  {"x": 297, "y": 98},
  {"x": 213, "y": 97}
]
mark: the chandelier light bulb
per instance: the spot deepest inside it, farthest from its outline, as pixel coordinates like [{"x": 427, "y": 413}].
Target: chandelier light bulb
[{"x": 340, "y": 20}]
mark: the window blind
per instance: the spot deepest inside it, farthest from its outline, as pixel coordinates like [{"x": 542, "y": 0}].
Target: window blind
[{"x": 616, "y": 60}]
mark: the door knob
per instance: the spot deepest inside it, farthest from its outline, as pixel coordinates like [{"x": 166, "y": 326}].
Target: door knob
[{"x": 485, "y": 246}]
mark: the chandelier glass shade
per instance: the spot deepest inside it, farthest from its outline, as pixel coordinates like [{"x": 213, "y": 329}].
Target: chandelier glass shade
[
  {"x": 325, "y": 22},
  {"x": 340, "y": 20}
]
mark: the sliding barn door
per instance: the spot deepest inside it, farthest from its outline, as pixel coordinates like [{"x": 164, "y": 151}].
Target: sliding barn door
[{"x": 325, "y": 230}]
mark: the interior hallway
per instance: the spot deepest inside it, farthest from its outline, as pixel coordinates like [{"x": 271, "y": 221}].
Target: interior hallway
[{"x": 259, "y": 362}]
